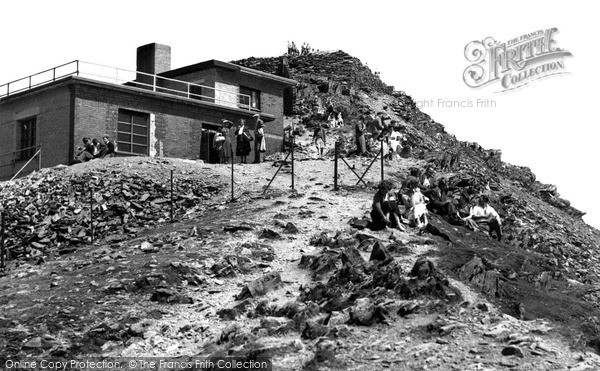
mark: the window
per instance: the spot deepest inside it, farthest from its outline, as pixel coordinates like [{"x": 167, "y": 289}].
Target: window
[
  {"x": 132, "y": 132},
  {"x": 254, "y": 97},
  {"x": 28, "y": 138},
  {"x": 196, "y": 92}
]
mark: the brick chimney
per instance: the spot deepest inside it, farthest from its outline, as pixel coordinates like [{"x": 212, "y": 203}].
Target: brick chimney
[{"x": 153, "y": 59}]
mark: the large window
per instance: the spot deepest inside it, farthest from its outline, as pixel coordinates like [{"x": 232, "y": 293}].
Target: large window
[
  {"x": 254, "y": 97},
  {"x": 132, "y": 136},
  {"x": 28, "y": 138}
]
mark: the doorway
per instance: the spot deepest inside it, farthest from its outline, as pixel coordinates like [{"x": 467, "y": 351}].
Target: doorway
[{"x": 207, "y": 152}]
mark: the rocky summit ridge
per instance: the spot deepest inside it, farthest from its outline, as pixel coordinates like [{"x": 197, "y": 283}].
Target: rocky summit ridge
[{"x": 283, "y": 274}]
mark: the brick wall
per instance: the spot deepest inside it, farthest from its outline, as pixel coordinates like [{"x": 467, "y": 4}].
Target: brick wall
[
  {"x": 178, "y": 123},
  {"x": 51, "y": 107}
]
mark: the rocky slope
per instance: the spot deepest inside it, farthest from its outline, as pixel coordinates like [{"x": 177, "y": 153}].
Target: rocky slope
[{"x": 282, "y": 274}]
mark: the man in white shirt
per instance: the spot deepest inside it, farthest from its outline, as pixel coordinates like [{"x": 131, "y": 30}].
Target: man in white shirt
[{"x": 482, "y": 216}]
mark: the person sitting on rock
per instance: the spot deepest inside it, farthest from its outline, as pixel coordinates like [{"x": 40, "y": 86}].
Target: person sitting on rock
[
  {"x": 443, "y": 204},
  {"x": 86, "y": 152},
  {"x": 416, "y": 206},
  {"x": 483, "y": 216},
  {"x": 384, "y": 212},
  {"x": 101, "y": 148},
  {"x": 425, "y": 176}
]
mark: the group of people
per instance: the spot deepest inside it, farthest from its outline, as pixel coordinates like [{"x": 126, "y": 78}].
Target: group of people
[
  {"x": 378, "y": 127},
  {"x": 305, "y": 49},
  {"x": 419, "y": 195},
  {"x": 93, "y": 148},
  {"x": 223, "y": 143},
  {"x": 335, "y": 119}
]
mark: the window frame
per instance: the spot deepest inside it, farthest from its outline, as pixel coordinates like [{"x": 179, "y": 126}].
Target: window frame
[
  {"x": 27, "y": 143},
  {"x": 250, "y": 91},
  {"x": 131, "y": 143}
]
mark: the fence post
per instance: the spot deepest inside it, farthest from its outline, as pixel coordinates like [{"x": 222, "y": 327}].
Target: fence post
[
  {"x": 171, "y": 194},
  {"x": 232, "y": 161},
  {"x": 382, "y": 160},
  {"x": 292, "y": 148},
  {"x": 40, "y": 159},
  {"x": 335, "y": 167},
  {"x": 2, "y": 243},
  {"x": 92, "y": 214}
]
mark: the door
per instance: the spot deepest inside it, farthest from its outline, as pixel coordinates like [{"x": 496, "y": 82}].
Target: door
[{"x": 207, "y": 152}]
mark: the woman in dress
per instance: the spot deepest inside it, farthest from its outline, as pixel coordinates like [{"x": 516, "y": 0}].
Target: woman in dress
[{"x": 243, "y": 139}]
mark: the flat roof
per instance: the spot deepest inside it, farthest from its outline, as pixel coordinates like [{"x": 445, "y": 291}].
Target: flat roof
[
  {"x": 135, "y": 90},
  {"x": 213, "y": 63}
]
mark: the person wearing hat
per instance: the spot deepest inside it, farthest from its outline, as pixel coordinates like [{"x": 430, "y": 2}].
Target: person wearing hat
[
  {"x": 223, "y": 142},
  {"x": 260, "y": 144},
  {"x": 243, "y": 139}
]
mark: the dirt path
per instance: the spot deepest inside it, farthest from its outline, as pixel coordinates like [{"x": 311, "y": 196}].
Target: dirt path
[{"x": 96, "y": 300}]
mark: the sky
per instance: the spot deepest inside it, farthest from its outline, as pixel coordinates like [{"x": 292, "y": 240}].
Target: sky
[{"x": 549, "y": 125}]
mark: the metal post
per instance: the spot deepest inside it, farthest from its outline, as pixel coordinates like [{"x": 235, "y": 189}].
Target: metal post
[
  {"x": 382, "y": 160},
  {"x": 171, "y": 194},
  {"x": 232, "y": 161},
  {"x": 2, "y": 244},
  {"x": 335, "y": 167},
  {"x": 29, "y": 82},
  {"x": 92, "y": 214},
  {"x": 40, "y": 159},
  {"x": 154, "y": 83},
  {"x": 292, "y": 145}
]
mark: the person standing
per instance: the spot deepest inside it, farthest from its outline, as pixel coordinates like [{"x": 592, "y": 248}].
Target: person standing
[
  {"x": 243, "y": 139},
  {"x": 319, "y": 139},
  {"x": 359, "y": 130},
  {"x": 260, "y": 144},
  {"x": 225, "y": 150}
]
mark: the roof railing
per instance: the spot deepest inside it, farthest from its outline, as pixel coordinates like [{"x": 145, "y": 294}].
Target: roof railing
[{"x": 135, "y": 79}]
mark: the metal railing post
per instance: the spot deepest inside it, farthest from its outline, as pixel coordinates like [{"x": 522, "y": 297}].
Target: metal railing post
[
  {"x": 154, "y": 83},
  {"x": 335, "y": 167},
  {"x": 29, "y": 82},
  {"x": 40, "y": 158},
  {"x": 24, "y": 166},
  {"x": 77, "y": 71},
  {"x": 188, "y": 90}
]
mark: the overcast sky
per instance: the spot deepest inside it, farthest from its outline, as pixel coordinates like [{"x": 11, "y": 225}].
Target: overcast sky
[{"x": 418, "y": 46}]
